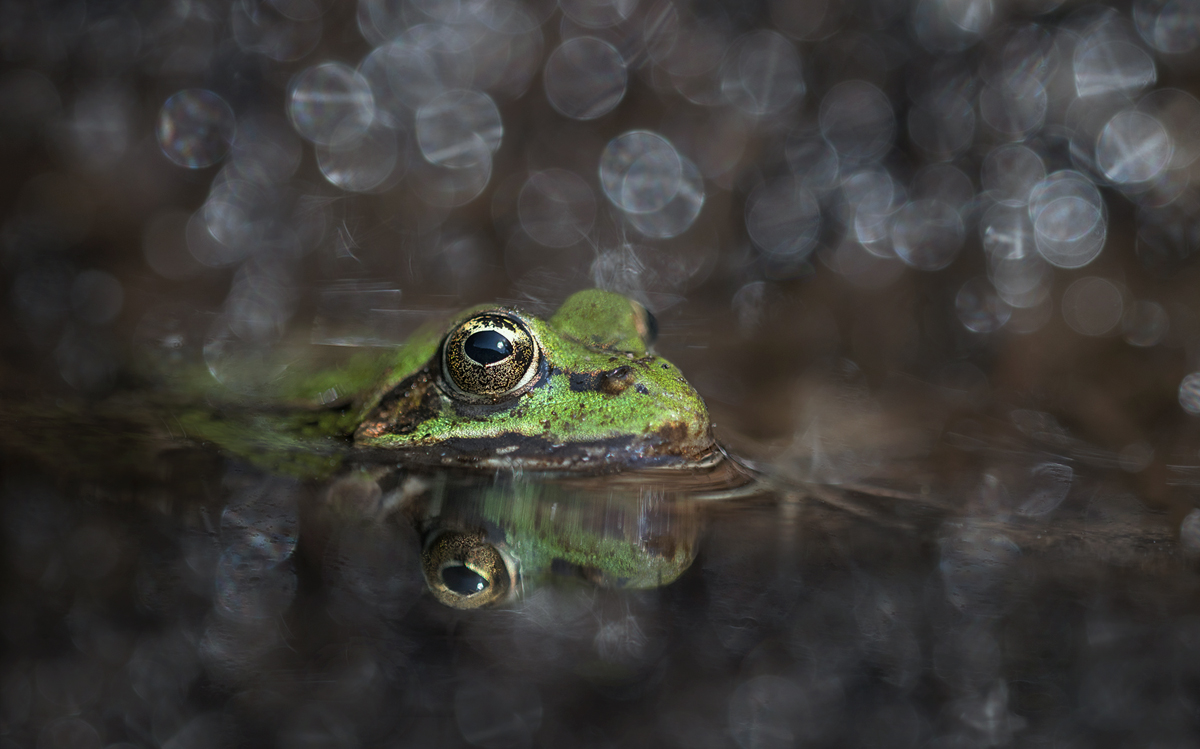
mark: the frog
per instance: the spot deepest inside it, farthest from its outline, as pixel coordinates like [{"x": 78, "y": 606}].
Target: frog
[
  {"x": 493, "y": 388},
  {"x": 492, "y": 391}
]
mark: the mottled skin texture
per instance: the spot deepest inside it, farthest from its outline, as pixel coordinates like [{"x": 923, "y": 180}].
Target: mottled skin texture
[{"x": 600, "y": 400}]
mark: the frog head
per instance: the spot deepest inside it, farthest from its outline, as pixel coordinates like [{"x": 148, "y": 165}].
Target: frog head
[{"x": 498, "y": 387}]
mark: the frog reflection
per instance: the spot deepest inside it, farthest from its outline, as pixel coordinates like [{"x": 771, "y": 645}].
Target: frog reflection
[{"x": 490, "y": 546}]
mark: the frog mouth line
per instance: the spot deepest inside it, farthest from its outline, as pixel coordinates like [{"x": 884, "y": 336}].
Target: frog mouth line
[{"x": 522, "y": 452}]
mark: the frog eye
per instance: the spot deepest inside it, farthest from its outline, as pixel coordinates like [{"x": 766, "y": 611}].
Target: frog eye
[
  {"x": 647, "y": 324},
  {"x": 464, "y": 571},
  {"x": 490, "y": 356}
]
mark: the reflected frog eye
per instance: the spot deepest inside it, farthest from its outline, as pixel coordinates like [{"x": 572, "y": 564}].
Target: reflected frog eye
[
  {"x": 490, "y": 356},
  {"x": 464, "y": 571}
]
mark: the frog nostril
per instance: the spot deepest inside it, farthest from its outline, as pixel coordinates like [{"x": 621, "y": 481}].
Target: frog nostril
[{"x": 616, "y": 381}]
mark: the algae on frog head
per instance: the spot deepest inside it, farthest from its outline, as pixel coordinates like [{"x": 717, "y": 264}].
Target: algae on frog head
[{"x": 590, "y": 397}]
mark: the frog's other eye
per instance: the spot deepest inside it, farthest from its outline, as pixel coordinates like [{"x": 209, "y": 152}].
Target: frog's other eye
[
  {"x": 647, "y": 324},
  {"x": 464, "y": 571},
  {"x": 490, "y": 356}
]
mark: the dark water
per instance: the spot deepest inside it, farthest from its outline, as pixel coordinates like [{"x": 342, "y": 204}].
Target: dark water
[
  {"x": 260, "y": 610},
  {"x": 931, "y": 265}
]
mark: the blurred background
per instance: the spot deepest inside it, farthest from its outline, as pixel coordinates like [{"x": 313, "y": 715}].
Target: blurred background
[{"x": 938, "y": 248}]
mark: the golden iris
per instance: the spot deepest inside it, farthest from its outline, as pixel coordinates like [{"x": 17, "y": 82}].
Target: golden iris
[
  {"x": 464, "y": 571},
  {"x": 489, "y": 357}
]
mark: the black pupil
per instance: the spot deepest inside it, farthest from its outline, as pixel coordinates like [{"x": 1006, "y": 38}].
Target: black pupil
[
  {"x": 487, "y": 347},
  {"x": 463, "y": 580}
]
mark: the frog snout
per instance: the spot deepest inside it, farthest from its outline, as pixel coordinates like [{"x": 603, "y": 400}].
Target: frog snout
[{"x": 615, "y": 381}]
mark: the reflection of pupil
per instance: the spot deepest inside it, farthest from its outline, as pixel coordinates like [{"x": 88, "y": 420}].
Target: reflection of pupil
[
  {"x": 463, "y": 580},
  {"x": 487, "y": 347}
]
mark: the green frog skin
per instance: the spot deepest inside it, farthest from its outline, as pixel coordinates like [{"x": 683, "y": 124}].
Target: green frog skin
[
  {"x": 495, "y": 388},
  {"x": 590, "y": 395}
]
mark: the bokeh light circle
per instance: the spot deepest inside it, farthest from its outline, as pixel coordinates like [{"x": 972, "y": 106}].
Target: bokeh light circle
[
  {"x": 980, "y": 309},
  {"x": 858, "y": 120},
  {"x": 448, "y": 127},
  {"x": 331, "y": 104},
  {"x": 783, "y": 218},
  {"x": 640, "y": 171},
  {"x": 762, "y": 73},
  {"x": 678, "y": 215},
  {"x": 1133, "y": 147},
  {"x": 195, "y": 128},
  {"x": 1189, "y": 393},
  {"x": 585, "y": 78},
  {"x": 927, "y": 234}
]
